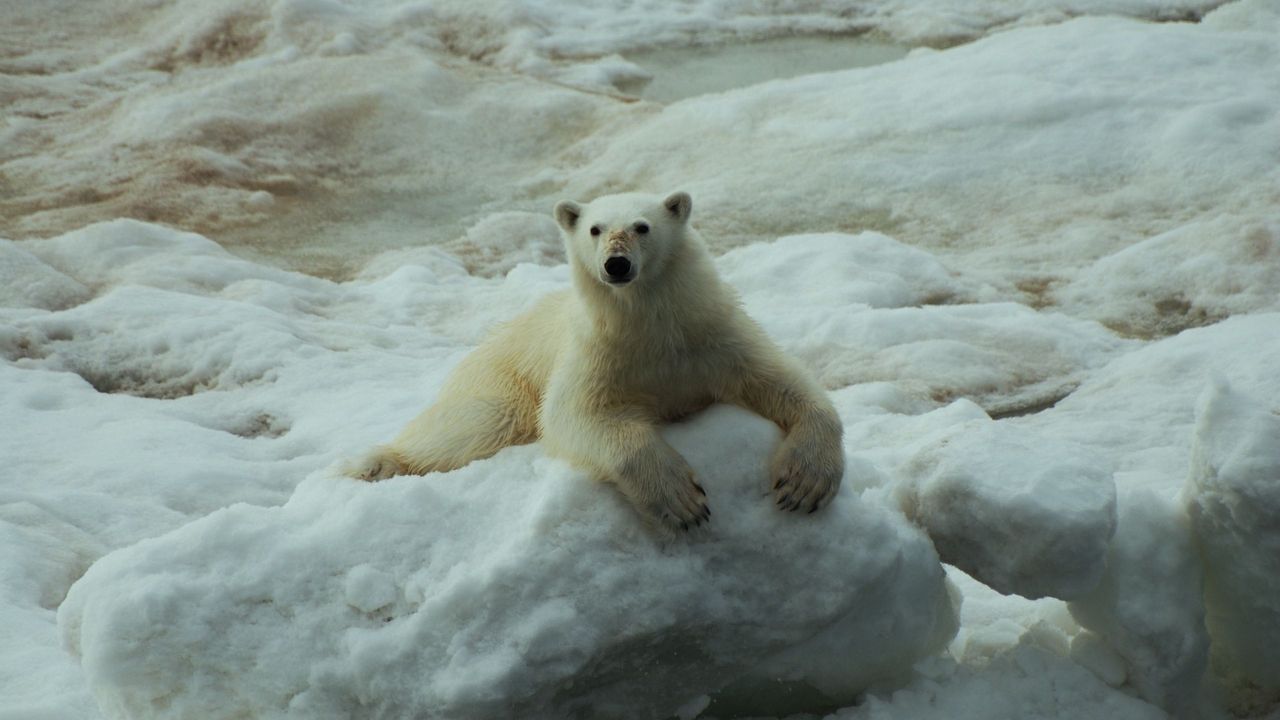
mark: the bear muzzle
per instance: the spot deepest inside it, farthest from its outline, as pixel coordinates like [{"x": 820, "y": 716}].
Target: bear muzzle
[
  {"x": 618, "y": 266},
  {"x": 619, "y": 270}
]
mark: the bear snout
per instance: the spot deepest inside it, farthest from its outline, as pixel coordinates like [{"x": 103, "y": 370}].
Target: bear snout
[
  {"x": 620, "y": 242},
  {"x": 618, "y": 270}
]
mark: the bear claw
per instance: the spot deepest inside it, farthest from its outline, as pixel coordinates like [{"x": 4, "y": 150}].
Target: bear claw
[
  {"x": 379, "y": 465},
  {"x": 807, "y": 476},
  {"x": 678, "y": 502}
]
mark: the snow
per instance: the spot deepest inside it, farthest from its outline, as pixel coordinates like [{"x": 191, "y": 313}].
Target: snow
[
  {"x": 1149, "y": 606},
  {"x": 1023, "y": 192},
  {"x": 1024, "y": 513},
  {"x": 502, "y": 590},
  {"x": 1010, "y": 661},
  {"x": 1035, "y": 263},
  {"x": 1175, "y": 280},
  {"x": 1232, "y": 497},
  {"x": 28, "y": 282},
  {"x": 525, "y": 34},
  {"x": 1026, "y": 681},
  {"x": 935, "y": 336}
]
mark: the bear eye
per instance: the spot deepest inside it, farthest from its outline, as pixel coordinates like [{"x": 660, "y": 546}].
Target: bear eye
[
  {"x": 595, "y": 230},
  {"x": 642, "y": 228}
]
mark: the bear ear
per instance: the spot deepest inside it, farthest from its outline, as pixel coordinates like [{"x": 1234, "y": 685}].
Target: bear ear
[
  {"x": 567, "y": 213},
  {"x": 679, "y": 205}
]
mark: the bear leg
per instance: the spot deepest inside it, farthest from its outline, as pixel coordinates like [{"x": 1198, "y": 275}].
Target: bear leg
[
  {"x": 808, "y": 466},
  {"x": 627, "y": 451},
  {"x": 450, "y": 434}
]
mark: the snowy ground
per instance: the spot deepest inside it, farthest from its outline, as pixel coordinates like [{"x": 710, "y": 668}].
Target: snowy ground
[{"x": 1036, "y": 260}]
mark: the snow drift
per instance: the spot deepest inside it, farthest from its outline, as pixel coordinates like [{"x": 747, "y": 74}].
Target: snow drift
[
  {"x": 1077, "y": 234},
  {"x": 1234, "y": 501},
  {"x": 514, "y": 587}
]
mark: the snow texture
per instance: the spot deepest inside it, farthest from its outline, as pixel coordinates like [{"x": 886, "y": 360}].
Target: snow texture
[
  {"x": 1234, "y": 499},
  {"x": 1175, "y": 280},
  {"x": 1037, "y": 270},
  {"x": 1149, "y": 607},
  {"x": 1027, "y": 681},
  {"x": 1023, "y": 513},
  {"x": 499, "y": 591}
]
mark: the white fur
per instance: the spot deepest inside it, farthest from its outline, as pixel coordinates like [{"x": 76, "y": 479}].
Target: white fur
[{"x": 593, "y": 371}]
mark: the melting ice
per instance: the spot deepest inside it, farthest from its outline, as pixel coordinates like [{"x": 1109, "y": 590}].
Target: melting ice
[{"x": 1034, "y": 258}]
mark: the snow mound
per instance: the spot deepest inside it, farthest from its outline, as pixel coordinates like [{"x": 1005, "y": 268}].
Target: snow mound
[
  {"x": 511, "y": 587},
  {"x": 1195, "y": 275},
  {"x": 1149, "y": 608},
  {"x": 1234, "y": 501},
  {"x": 993, "y": 152},
  {"x": 128, "y": 252},
  {"x": 867, "y": 308},
  {"x": 531, "y": 35},
  {"x": 1245, "y": 15},
  {"x": 1029, "y": 680},
  {"x": 501, "y": 241},
  {"x": 1138, "y": 411},
  {"x": 1023, "y": 513},
  {"x": 868, "y": 269},
  {"x": 27, "y": 282}
]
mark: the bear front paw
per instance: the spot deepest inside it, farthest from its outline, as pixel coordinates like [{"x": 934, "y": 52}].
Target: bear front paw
[
  {"x": 806, "y": 476},
  {"x": 674, "y": 500},
  {"x": 377, "y": 465}
]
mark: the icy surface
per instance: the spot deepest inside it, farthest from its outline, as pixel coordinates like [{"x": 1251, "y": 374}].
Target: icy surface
[
  {"x": 1028, "y": 680},
  {"x": 1234, "y": 499},
  {"x": 25, "y": 281},
  {"x": 514, "y": 586},
  {"x": 1024, "y": 513},
  {"x": 934, "y": 338},
  {"x": 1177, "y": 279},
  {"x": 1010, "y": 661},
  {"x": 323, "y": 133},
  {"x": 1037, "y": 271},
  {"x": 1025, "y": 175},
  {"x": 1149, "y": 607}
]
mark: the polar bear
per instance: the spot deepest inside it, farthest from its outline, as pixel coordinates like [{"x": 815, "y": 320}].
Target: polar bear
[{"x": 648, "y": 334}]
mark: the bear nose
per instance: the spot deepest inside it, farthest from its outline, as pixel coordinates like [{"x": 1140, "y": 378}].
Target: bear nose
[{"x": 617, "y": 268}]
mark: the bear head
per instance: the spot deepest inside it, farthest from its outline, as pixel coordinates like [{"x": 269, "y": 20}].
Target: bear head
[{"x": 621, "y": 239}]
